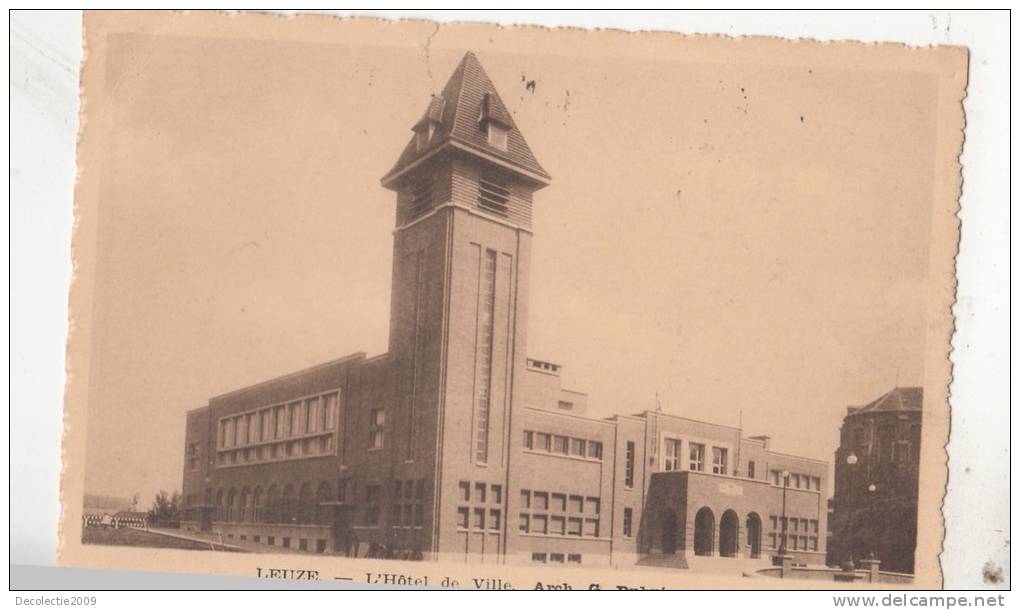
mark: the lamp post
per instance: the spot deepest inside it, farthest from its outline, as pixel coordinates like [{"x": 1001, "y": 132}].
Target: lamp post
[
  {"x": 782, "y": 539},
  {"x": 851, "y": 460},
  {"x": 871, "y": 514}
]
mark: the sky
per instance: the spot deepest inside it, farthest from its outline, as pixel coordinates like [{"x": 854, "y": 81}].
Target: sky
[{"x": 746, "y": 239}]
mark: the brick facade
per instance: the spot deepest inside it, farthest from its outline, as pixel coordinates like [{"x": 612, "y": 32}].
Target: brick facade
[{"x": 454, "y": 444}]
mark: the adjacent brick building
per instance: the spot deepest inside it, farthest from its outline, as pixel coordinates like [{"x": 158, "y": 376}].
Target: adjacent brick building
[
  {"x": 875, "y": 501},
  {"x": 455, "y": 444}
]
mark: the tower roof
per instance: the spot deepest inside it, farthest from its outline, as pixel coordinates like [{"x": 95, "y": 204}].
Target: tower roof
[
  {"x": 456, "y": 118},
  {"x": 897, "y": 399}
]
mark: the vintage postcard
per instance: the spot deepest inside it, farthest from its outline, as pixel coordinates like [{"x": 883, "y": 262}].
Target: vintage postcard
[{"x": 463, "y": 306}]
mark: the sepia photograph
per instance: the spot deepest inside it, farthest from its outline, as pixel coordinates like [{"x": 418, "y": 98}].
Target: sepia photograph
[{"x": 545, "y": 308}]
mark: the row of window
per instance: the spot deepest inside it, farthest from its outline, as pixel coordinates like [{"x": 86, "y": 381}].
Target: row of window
[
  {"x": 320, "y": 445},
  {"x": 793, "y": 524},
  {"x": 294, "y": 419},
  {"x": 559, "y": 514},
  {"x": 672, "y": 458},
  {"x": 408, "y": 507},
  {"x": 475, "y": 518},
  {"x": 798, "y": 481},
  {"x": 794, "y": 542},
  {"x": 557, "y": 525},
  {"x": 556, "y": 557},
  {"x": 480, "y": 493},
  {"x": 888, "y": 443},
  {"x": 562, "y": 445}
]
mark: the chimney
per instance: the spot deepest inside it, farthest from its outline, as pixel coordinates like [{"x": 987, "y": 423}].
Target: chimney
[{"x": 764, "y": 438}]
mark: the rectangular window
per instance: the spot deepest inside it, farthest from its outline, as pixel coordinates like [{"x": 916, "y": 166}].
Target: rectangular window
[
  {"x": 576, "y": 504},
  {"x": 574, "y": 525},
  {"x": 559, "y": 502},
  {"x": 465, "y": 491},
  {"x": 541, "y": 500},
  {"x": 543, "y": 442},
  {"x": 529, "y": 439},
  {"x": 266, "y": 426},
  {"x": 462, "y": 517},
  {"x": 295, "y": 419},
  {"x": 719, "y": 458},
  {"x": 577, "y": 447},
  {"x": 192, "y": 456},
  {"x": 538, "y": 557},
  {"x": 483, "y": 377},
  {"x": 377, "y": 430},
  {"x": 419, "y": 515},
  {"x": 697, "y": 454},
  {"x": 497, "y": 135},
  {"x": 565, "y": 405},
  {"x": 555, "y": 557},
  {"x": 561, "y": 444},
  {"x": 329, "y": 411},
  {"x": 672, "y": 455},
  {"x": 479, "y": 521},
  {"x": 750, "y": 469},
  {"x": 480, "y": 492},
  {"x": 524, "y": 522},
  {"x": 592, "y": 504},
  {"x": 574, "y": 558},
  {"x": 595, "y": 450},
  {"x": 628, "y": 477},
  {"x": 497, "y": 494},
  {"x": 525, "y": 498},
  {"x": 628, "y": 522},
  {"x": 493, "y": 194},
  {"x": 280, "y": 421},
  {"x": 539, "y": 524},
  {"x": 591, "y": 528},
  {"x": 557, "y": 525}
]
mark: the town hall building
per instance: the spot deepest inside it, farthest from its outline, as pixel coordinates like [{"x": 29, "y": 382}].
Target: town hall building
[{"x": 455, "y": 444}]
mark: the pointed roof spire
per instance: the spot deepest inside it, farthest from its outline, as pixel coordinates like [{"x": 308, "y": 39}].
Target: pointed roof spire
[{"x": 457, "y": 118}]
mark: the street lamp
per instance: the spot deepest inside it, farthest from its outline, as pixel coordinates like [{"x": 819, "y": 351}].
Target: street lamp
[
  {"x": 871, "y": 514},
  {"x": 851, "y": 460},
  {"x": 782, "y": 540}
]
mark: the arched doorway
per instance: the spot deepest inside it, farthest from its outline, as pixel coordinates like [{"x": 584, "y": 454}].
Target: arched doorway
[
  {"x": 669, "y": 531},
  {"x": 754, "y": 534},
  {"x": 704, "y": 532},
  {"x": 729, "y": 526}
]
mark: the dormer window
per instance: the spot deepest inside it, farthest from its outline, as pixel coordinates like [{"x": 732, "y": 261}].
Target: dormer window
[
  {"x": 495, "y": 120},
  {"x": 497, "y": 135},
  {"x": 422, "y": 136}
]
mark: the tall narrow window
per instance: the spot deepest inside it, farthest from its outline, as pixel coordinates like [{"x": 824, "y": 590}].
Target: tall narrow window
[
  {"x": 719, "y": 456},
  {"x": 377, "y": 423},
  {"x": 672, "y": 455},
  {"x": 483, "y": 376},
  {"x": 419, "y": 302},
  {"x": 628, "y": 477},
  {"x": 628, "y": 522},
  {"x": 697, "y": 457}
]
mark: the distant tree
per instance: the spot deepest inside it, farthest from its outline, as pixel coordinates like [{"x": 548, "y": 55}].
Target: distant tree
[
  {"x": 166, "y": 507},
  {"x": 134, "y": 501}
]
